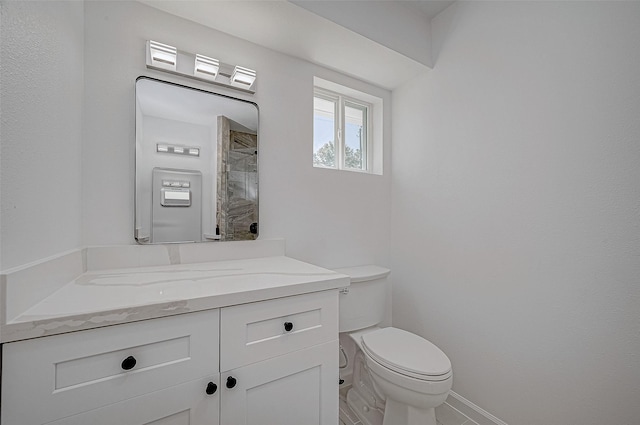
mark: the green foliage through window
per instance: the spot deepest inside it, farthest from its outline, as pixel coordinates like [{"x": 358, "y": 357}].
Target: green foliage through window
[{"x": 326, "y": 156}]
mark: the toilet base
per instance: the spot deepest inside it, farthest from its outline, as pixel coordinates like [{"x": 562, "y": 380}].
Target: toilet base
[
  {"x": 399, "y": 413},
  {"x": 361, "y": 398},
  {"x": 367, "y": 414}
]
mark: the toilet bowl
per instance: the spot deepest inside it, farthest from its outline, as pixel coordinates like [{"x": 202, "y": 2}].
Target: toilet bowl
[
  {"x": 404, "y": 376},
  {"x": 412, "y": 374}
]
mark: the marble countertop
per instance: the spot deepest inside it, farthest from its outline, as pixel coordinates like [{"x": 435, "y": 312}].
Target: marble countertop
[{"x": 114, "y": 296}]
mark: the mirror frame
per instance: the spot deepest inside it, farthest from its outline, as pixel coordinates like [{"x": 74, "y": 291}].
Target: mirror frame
[{"x": 146, "y": 240}]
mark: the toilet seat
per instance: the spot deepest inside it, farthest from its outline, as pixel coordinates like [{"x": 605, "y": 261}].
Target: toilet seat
[{"x": 407, "y": 354}]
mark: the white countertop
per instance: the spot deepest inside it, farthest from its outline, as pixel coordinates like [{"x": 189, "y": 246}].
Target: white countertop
[{"x": 108, "y": 297}]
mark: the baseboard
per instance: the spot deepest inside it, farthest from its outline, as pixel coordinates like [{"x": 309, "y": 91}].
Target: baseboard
[{"x": 473, "y": 412}]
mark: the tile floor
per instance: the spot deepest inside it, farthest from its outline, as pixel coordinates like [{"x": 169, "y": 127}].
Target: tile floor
[{"x": 447, "y": 415}]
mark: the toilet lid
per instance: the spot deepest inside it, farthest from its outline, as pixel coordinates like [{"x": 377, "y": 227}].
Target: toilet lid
[{"x": 406, "y": 352}]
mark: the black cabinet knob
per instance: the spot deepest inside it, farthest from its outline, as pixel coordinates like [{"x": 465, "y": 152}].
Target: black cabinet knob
[
  {"x": 231, "y": 382},
  {"x": 211, "y": 388},
  {"x": 129, "y": 363},
  {"x": 288, "y": 326}
]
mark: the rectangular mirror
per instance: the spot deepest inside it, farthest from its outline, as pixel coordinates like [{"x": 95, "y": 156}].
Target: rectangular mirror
[{"x": 196, "y": 165}]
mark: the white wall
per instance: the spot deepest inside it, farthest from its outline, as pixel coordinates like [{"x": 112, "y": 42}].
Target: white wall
[
  {"x": 330, "y": 218},
  {"x": 41, "y": 82},
  {"x": 68, "y": 131},
  {"x": 516, "y": 208}
]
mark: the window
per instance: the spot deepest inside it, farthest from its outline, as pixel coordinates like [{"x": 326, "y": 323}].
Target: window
[{"x": 342, "y": 129}]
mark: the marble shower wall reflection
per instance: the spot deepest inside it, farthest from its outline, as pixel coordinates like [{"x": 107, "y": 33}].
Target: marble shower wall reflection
[{"x": 237, "y": 194}]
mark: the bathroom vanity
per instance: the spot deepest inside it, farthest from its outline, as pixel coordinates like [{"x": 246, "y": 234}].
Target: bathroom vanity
[{"x": 242, "y": 341}]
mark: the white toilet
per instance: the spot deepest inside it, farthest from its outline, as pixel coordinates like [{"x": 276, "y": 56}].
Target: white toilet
[{"x": 398, "y": 377}]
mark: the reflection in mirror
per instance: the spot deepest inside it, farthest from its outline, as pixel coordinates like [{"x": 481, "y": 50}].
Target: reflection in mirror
[{"x": 196, "y": 165}]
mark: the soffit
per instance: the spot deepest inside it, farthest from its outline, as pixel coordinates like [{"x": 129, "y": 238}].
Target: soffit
[{"x": 290, "y": 29}]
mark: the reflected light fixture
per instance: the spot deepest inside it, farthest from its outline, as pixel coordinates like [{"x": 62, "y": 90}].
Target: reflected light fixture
[
  {"x": 163, "y": 56},
  {"x": 243, "y": 77},
  {"x": 179, "y": 150},
  {"x": 206, "y": 67}
]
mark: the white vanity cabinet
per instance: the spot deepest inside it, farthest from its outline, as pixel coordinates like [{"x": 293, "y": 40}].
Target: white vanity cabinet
[
  {"x": 279, "y": 361},
  {"x": 137, "y": 371},
  {"x": 272, "y": 362}
]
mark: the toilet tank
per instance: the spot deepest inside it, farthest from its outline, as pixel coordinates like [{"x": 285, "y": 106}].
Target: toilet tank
[{"x": 362, "y": 304}]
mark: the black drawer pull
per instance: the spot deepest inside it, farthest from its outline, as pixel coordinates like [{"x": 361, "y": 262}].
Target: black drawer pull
[
  {"x": 231, "y": 382},
  {"x": 211, "y": 388},
  {"x": 288, "y": 326},
  {"x": 129, "y": 363}
]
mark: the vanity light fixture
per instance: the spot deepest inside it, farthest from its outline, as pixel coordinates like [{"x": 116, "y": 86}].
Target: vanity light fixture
[
  {"x": 206, "y": 67},
  {"x": 163, "y": 56},
  {"x": 242, "y": 77},
  {"x": 178, "y": 150}
]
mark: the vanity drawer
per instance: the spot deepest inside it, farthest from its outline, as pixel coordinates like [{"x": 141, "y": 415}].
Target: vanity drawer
[
  {"x": 184, "y": 404},
  {"x": 253, "y": 332},
  {"x": 56, "y": 376}
]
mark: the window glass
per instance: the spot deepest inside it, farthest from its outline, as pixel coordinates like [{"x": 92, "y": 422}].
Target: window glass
[
  {"x": 347, "y": 128},
  {"x": 355, "y": 136},
  {"x": 342, "y": 126},
  {"x": 324, "y": 132}
]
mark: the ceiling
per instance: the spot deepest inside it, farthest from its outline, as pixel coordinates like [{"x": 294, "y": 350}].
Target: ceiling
[{"x": 427, "y": 7}]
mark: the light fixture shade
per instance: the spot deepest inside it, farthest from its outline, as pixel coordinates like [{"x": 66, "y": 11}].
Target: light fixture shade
[
  {"x": 162, "y": 55},
  {"x": 206, "y": 67},
  {"x": 243, "y": 77}
]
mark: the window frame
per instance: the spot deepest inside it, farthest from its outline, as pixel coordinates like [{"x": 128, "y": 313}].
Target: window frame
[{"x": 341, "y": 101}]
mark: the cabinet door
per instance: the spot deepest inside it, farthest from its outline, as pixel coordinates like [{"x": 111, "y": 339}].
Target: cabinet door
[
  {"x": 186, "y": 404},
  {"x": 299, "y": 388}
]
